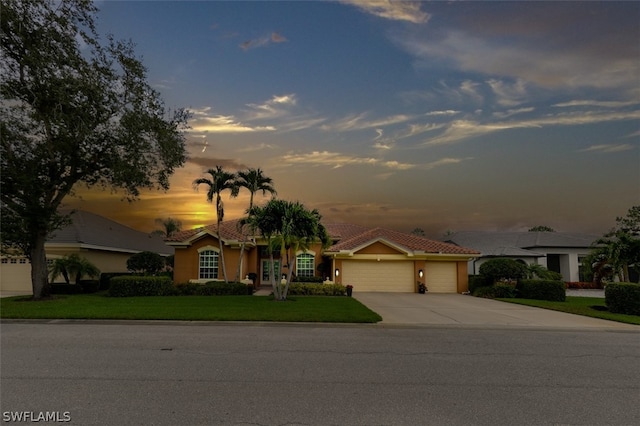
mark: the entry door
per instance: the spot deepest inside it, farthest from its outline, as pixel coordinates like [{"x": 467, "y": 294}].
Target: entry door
[{"x": 264, "y": 267}]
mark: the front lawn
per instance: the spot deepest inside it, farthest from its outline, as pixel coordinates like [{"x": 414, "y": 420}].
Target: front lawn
[
  {"x": 191, "y": 308},
  {"x": 586, "y": 306}
]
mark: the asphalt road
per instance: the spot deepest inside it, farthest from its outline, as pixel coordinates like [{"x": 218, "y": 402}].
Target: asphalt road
[{"x": 265, "y": 374}]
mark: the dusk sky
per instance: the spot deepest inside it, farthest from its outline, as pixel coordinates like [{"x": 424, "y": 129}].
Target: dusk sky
[{"x": 439, "y": 115}]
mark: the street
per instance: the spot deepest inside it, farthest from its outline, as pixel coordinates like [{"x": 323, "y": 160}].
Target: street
[{"x": 165, "y": 373}]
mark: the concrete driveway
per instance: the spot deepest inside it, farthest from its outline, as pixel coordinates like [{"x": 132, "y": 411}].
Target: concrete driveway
[{"x": 460, "y": 310}]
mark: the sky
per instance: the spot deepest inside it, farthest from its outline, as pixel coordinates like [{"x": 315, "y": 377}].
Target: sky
[{"x": 444, "y": 116}]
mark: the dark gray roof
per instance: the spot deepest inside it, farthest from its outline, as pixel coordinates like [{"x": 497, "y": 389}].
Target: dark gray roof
[
  {"x": 520, "y": 244},
  {"x": 92, "y": 230}
]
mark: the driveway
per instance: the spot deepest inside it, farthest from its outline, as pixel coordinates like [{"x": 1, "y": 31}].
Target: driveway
[{"x": 460, "y": 310}]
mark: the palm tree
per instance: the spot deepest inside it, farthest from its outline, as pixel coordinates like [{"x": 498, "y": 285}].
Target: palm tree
[
  {"x": 170, "y": 226},
  {"x": 73, "y": 265},
  {"x": 220, "y": 181},
  {"x": 254, "y": 180},
  {"x": 291, "y": 227}
]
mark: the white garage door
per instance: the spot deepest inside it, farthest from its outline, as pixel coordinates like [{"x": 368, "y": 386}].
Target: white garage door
[
  {"x": 441, "y": 277},
  {"x": 379, "y": 276}
]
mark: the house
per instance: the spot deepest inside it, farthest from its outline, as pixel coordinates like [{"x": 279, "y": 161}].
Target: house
[
  {"x": 370, "y": 259},
  {"x": 105, "y": 243},
  {"x": 557, "y": 251}
]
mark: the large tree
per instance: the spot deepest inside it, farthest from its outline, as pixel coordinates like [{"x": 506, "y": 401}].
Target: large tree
[
  {"x": 619, "y": 249},
  {"x": 220, "y": 182},
  {"x": 74, "y": 110},
  {"x": 169, "y": 225},
  {"x": 254, "y": 181}
]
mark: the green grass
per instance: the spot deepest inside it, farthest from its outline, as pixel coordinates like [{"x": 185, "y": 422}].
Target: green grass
[
  {"x": 192, "y": 308},
  {"x": 586, "y": 306}
]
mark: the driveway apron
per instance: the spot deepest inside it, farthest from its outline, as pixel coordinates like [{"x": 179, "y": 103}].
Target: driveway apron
[{"x": 461, "y": 310}]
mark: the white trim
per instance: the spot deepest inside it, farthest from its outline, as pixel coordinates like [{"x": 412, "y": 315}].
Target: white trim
[{"x": 205, "y": 248}]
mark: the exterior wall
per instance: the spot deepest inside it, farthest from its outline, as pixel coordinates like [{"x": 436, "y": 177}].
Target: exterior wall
[
  {"x": 463, "y": 277},
  {"x": 187, "y": 261}
]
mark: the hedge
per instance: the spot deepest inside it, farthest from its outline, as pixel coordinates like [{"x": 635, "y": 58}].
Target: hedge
[
  {"x": 300, "y": 289},
  {"x": 211, "y": 288},
  {"x": 85, "y": 286},
  {"x": 307, "y": 280},
  {"x": 105, "y": 278},
  {"x": 541, "y": 290},
  {"x": 623, "y": 298},
  {"x": 477, "y": 281},
  {"x": 503, "y": 291},
  {"x": 128, "y": 286}
]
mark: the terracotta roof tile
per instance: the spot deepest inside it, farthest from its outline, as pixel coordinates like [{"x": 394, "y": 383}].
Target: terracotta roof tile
[{"x": 228, "y": 229}]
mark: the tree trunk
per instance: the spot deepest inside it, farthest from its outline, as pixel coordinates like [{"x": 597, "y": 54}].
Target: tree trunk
[
  {"x": 224, "y": 269},
  {"x": 39, "y": 273}
]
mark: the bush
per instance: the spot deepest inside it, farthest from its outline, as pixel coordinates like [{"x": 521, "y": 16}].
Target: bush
[
  {"x": 64, "y": 288},
  {"x": 477, "y": 281},
  {"x": 299, "y": 289},
  {"x": 128, "y": 286},
  {"x": 90, "y": 286},
  {"x": 582, "y": 285},
  {"x": 504, "y": 291},
  {"x": 503, "y": 269},
  {"x": 146, "y": 261},
  {"x": 105, "y": 277},
  {"x": 623, "y": 298},
  {"x": 211, "y": 288},
  {"x": 307, "y": 280},
  {"x": 541, "y": 290}
]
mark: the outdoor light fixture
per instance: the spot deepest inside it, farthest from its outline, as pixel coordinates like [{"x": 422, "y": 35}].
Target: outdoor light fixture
[
  {"x": 337, "y": 272},
  {"x": 420, "y": 273}
]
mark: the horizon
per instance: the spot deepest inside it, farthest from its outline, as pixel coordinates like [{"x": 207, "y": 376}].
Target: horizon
[{"x": 484, "y": 116}]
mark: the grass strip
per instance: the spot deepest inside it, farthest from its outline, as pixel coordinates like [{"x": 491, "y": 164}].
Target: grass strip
[
  {"x": 586, "y": 306},
  {"x": 190, "y": 308}
]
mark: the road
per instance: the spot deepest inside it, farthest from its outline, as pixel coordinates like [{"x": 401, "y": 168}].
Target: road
[{"x": 267, "y": 374}]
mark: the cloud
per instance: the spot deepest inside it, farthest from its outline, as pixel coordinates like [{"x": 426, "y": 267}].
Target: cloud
[
  {"x": 464, "y": 129},
  {"x": 357, "y": 122},
  {"x": 211, "y": 163},
  {"x": 605, "y": 104},
  {"x": 337, "y": 160},
  {"x": 609, "y": 148},
  {"x": 510, "y": 112},
  {"x": 205, "y": 122},
  {"x": 392, "y": 10},
  {"x": 508, "y": 94},
  {"x": 445, "y": 162},
  {"x": 274, "y": 107},
  {"x": 259, "y": 147},
  {"x": 263, "y": 41}
]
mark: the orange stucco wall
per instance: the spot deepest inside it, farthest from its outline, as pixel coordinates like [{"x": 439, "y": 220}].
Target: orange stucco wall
[{"x": 463, "y": 277}]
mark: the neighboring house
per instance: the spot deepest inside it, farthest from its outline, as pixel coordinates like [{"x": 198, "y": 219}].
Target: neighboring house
[
  {"x": 557, "y": 251},
  {"x": 369, "y": 259},
  {"x": 105, "y": 243}
]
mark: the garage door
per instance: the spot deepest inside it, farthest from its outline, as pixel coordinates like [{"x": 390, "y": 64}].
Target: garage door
[
  {"x": 441, "y": 277},
  {"x": 379, "y": 276}
]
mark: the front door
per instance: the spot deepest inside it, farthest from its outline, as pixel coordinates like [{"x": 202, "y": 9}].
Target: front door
[{"x": 265, "y": 264}]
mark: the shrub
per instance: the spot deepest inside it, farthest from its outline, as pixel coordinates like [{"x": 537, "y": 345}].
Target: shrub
[
  {"x": 582, "y": 285},
  {"x": 504, "y": 291},
  {"x": 307, "y": 280},
  {"x": 299, "y": 289},
  {"x": 476, "y": 281},
  {"x": 105, "y": 277},
  {"x": 502, "y": 269},
  {"x": 145, "y": 261},
  {"x": 488, "y": 292},
  {"x": 90, "y": 286},
  {"x": 623, "y": 298},
  {"x": 64, "y": 288},
  {"x": 541, "y": 290},
  {"x": 211, "y": 288},
  {"x": 128, "y": 286}
]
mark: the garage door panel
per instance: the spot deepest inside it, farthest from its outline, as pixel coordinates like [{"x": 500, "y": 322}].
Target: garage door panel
[
  {"x": 441, "y": 277},
  {"x": 379, "y": 276}
]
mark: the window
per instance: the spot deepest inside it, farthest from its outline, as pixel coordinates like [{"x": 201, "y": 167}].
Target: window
[
  {"x": 23, "y": 261},
  {"x": 4, "y": 260},
  {"x": 305, "y": 265},
  {"x": 14, "y": 261},
  {"x": 208, "y": 264}
]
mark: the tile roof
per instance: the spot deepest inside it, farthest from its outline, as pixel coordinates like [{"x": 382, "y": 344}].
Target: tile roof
[
  {"x": 94, "y": 230},
  {"x": 229, "y": 231},
  {"x": 354, "y": 236},
  {"x": 345, "y": 235}
]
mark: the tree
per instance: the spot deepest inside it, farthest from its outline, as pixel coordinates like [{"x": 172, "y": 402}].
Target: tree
[
  {"x": 419, "y": 232},
  {"x": 254, "y": 180},
  {"x": 73, "y": 111},
  {"x": 290, "y": 227},
  {"x": 169, "y": 225},
  {"x": 73, "y": 265},
  {"x": 220, "y": 181},
  {"x": 539, "y": 272},
  {"x": 542, "y": 228},
  {"x": 618, "y": 251},
  {"x": 502, "y": 269},
  {"x": 146, "y": 262}
]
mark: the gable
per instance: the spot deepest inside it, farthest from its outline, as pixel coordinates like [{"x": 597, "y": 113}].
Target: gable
[{"x": 379, "y": 247}]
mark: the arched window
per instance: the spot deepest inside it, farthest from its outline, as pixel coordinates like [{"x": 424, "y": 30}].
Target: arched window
[
  {"x": 305, "y": 265},
  {"x": 208, "y": 265}
]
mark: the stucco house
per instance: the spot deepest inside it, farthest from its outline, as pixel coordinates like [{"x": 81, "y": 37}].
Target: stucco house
[
  {"x": 105, "y": 243},
  {"x": 561, "y": 252},
  {"x": 370, "y": 259}
]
